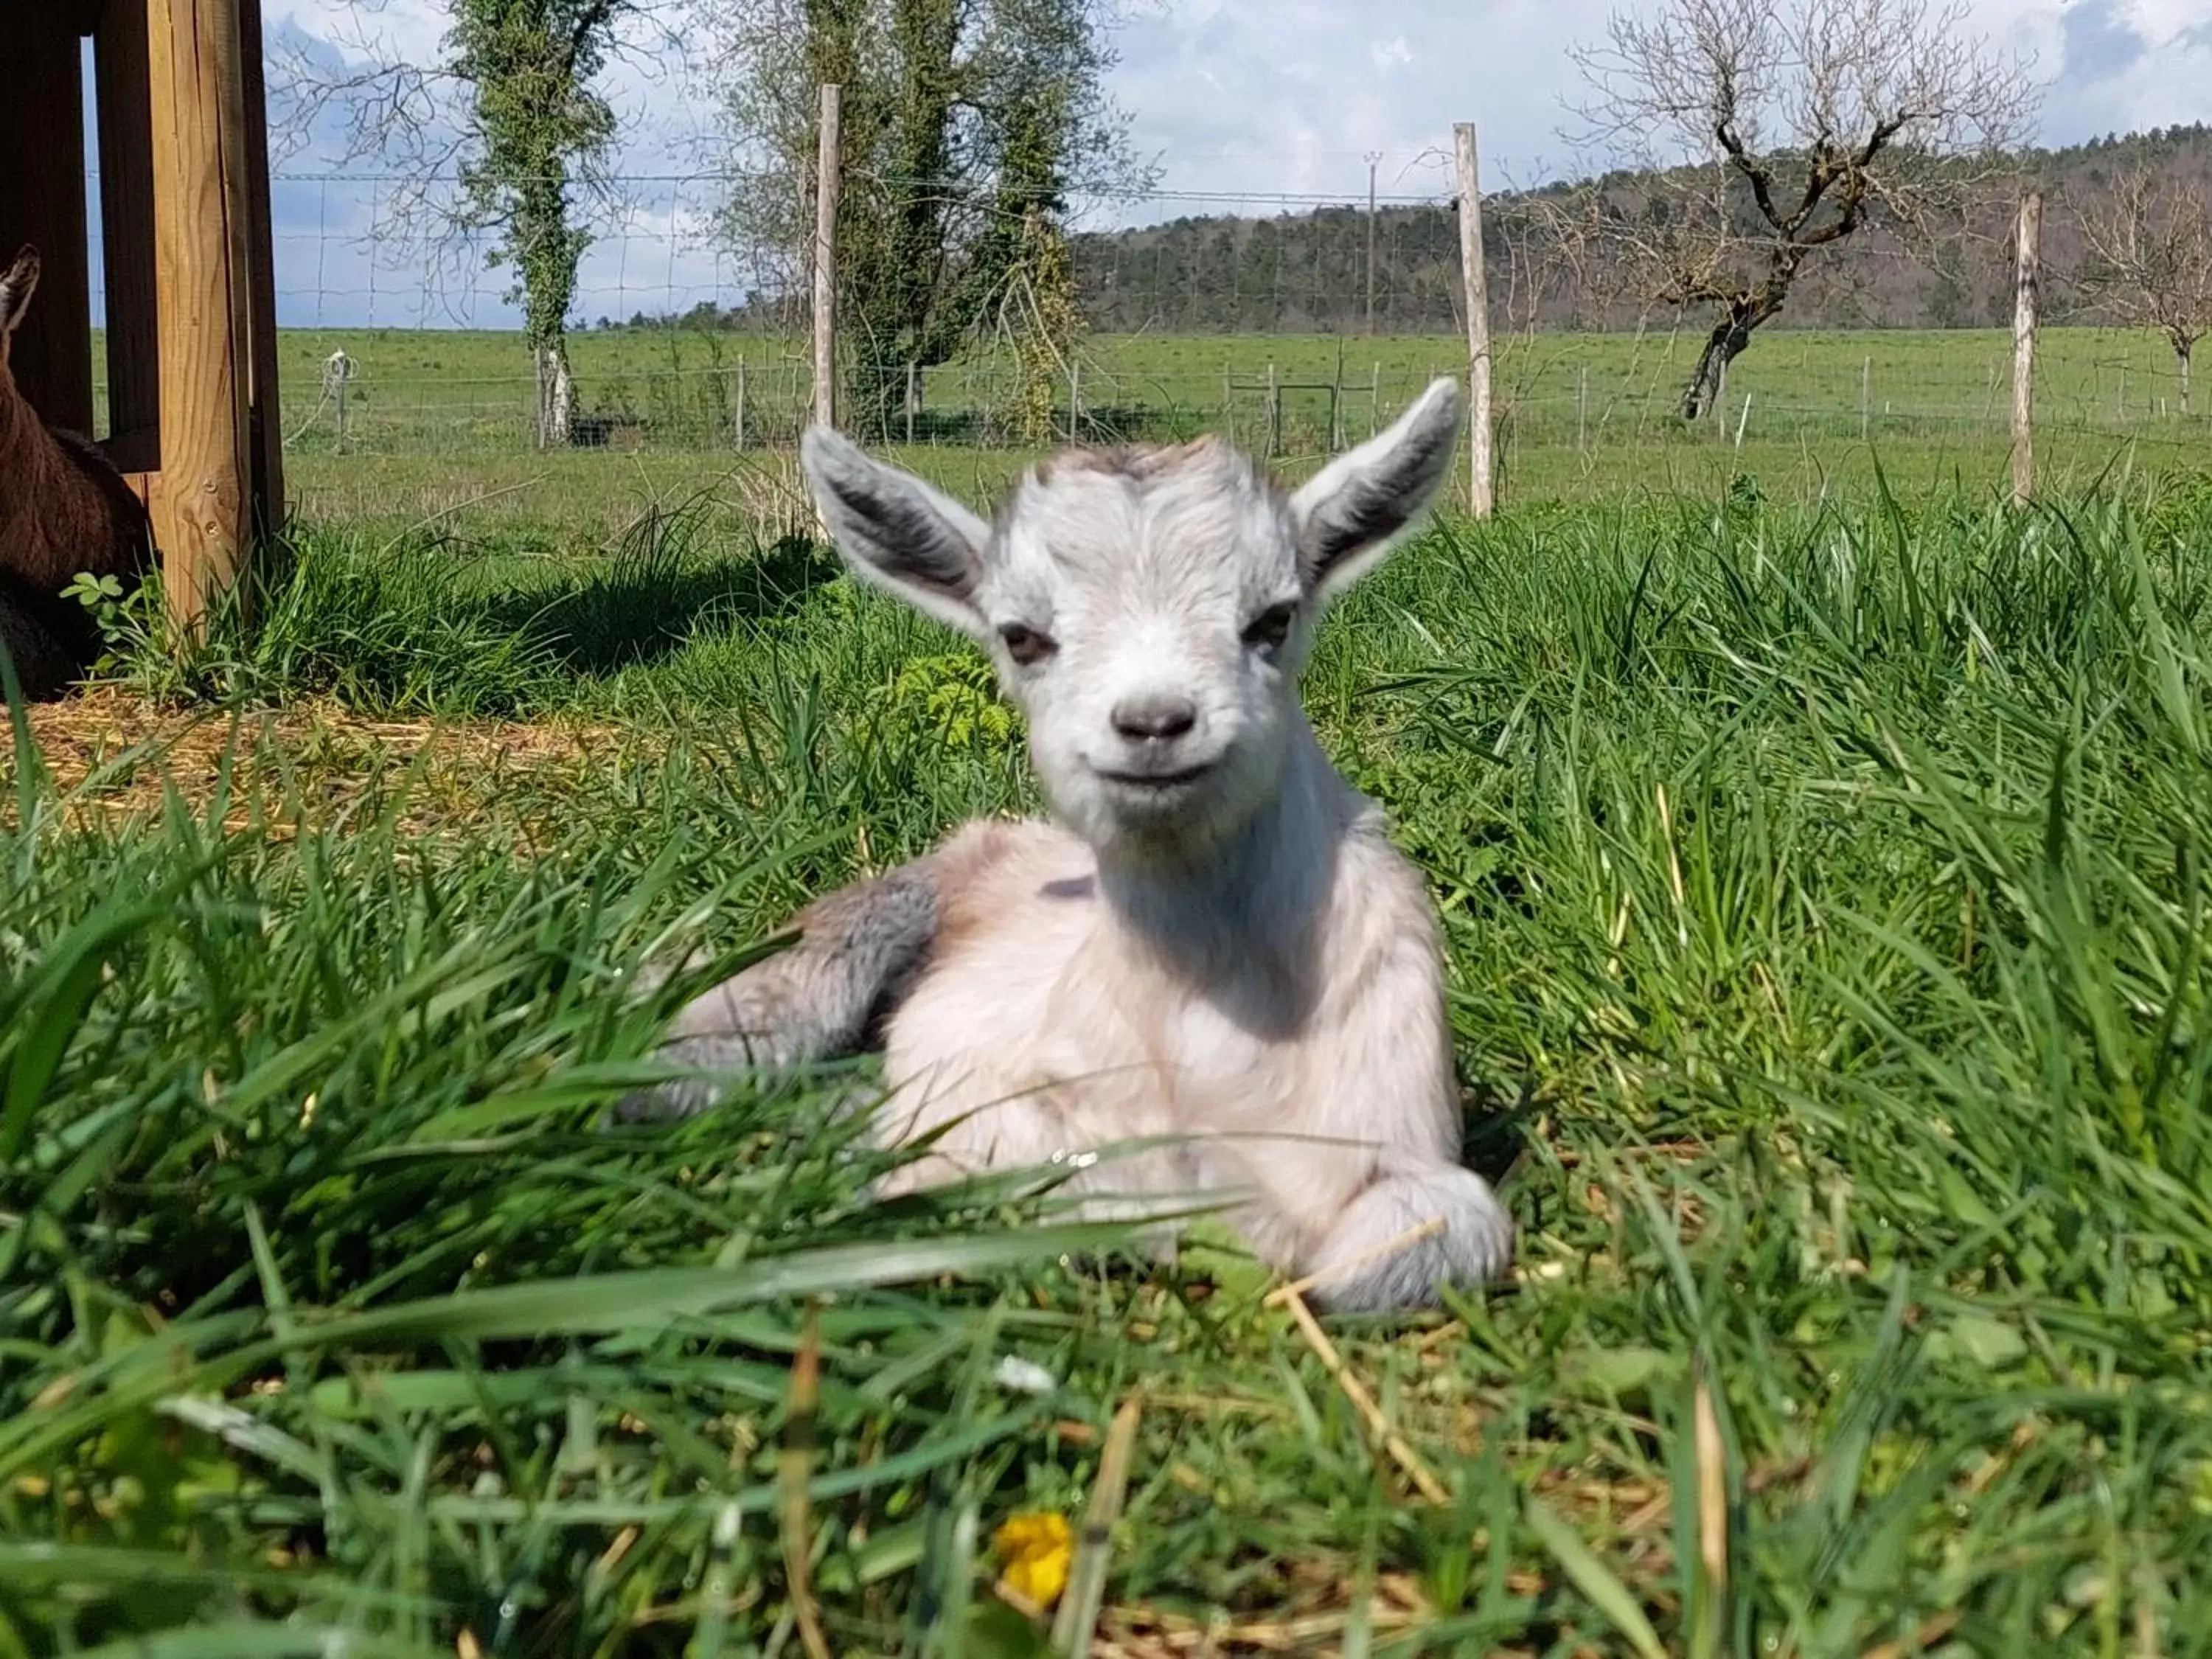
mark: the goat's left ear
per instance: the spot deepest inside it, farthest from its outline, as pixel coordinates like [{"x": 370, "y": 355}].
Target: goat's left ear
[
  {"x": 17, "y": 283},
  {"x": 1361, "y": 505},
  {"x": 896, "y": 531}
]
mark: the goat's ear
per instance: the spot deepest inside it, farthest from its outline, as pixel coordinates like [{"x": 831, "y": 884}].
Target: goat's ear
[
  {"x": 17, "y": 283},
  {"x": 1357, "y": 507},
  {"x": 896, "y": 531}
]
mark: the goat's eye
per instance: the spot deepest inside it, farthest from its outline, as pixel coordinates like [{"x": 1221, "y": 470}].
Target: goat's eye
[
  {"x": 1026, "y": 645},
  {"x": 1271, "y": 627}
]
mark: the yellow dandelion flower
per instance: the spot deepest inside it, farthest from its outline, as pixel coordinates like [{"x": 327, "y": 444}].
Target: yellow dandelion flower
[{"x": 1037, "y": 1547}]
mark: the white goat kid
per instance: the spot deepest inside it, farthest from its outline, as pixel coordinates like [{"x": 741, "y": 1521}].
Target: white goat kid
[{"x": 1215, "y": 944}]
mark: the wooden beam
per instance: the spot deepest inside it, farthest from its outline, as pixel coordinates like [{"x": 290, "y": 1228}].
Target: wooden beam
[
  {"x": 42, "y": 161},
  {"x": 202, "y": 513},
  {"x": 264, "y": 413},
  {"x": 124, "y": 77}
]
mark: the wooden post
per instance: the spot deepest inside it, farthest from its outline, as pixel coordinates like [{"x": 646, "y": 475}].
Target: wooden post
[
  {"x": 1375, "y": 399},
  {"x": 265, "y": 410},
  {"x": 1481, "y": 498},
  {"x": 344, "y": 372},
  {"x": 827, "y": 180},
  {"x": 42, "y": 201},
  {"x": 1374, "y": 160},
  {"x": 1228, "y": 406},
  {"x": 1074, "y": 400},
  {"x": 1336, "y": 403},
  {"x": 913, "y": 372},
  {"x": 127, "y": 212},
  {"x": 1582, "y": 410},
  {"x": 2027, "y": 280},
  {"x": 741, "y": 404},
  {"x": 202, "y": 206},
  {"x": 2120, "y": 397},
  {"x": 1743, "y": 420},
  {"x": 1274, "y": 413},
  {"x": 1866, "y": 397}
]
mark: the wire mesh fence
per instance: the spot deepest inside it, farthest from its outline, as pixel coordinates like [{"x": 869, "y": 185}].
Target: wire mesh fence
[{"x": 1297, "y": 324}]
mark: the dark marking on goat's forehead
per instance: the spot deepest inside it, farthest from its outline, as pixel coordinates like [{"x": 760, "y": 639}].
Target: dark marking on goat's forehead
[{"x": 1137, "y": 463}]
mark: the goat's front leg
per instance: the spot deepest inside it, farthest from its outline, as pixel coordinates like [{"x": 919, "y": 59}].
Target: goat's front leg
[
  {"x": 858, "y": 952},
  {"x": 1415, "y": 1227}
]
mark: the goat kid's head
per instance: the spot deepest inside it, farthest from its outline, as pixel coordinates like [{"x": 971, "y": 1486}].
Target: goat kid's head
[
  {"x": 17, "y": 283},
  {"x": 1150, "y": 612}
]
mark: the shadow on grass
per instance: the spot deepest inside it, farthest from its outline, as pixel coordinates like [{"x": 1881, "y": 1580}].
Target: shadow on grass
[
  {"x": 651, "y": 601},
  {"x": 425, "y": 625}
]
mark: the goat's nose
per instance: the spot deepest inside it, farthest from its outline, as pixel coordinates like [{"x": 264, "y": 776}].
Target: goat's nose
[{"x": 1155, "y": 715}]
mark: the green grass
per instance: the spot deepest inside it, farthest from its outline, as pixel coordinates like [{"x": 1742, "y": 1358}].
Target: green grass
[
  {"x": 1825, "y": 890},
  {"x": 440, "y": 421}
]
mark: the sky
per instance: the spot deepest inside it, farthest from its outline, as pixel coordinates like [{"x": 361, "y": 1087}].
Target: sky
[{"x": 1253, "y": 100}]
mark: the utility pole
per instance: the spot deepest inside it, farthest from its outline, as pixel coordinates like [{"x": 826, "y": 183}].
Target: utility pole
[{"x": 1374, "y": 160}]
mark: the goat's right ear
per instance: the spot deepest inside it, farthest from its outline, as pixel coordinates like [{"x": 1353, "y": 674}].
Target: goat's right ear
[
  {"x": 17, "y": 283},
  {"x": 896, "y": 531}
]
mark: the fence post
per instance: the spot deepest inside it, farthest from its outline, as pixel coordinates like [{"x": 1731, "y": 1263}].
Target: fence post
[
  {"x": 1336, "y": 403},
  {"x": 1274, "y": 413},
  {"x": 1374, "y": 160},
  {"x": 2027, "y": 278},
  {"x": 1478, "y": 314},
  {"x": 828, "y": 169},
  {"x": 1866, "y": 397},
  {"x": 1228, "y": 406},
  {"x": 1582, "y": 410},
  {"x": 741, "y": 403},
  {"x": 2120, "y": 397},
  {"x": 911, "y": 374},
  {"x": 1375, "y": 401}
]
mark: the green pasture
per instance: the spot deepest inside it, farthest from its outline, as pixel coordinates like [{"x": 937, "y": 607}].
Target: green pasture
[{"x": 1824, "y": 860}]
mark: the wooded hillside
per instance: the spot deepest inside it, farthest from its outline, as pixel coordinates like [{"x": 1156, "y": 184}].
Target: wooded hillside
[{"x": 1308, "y": 272}]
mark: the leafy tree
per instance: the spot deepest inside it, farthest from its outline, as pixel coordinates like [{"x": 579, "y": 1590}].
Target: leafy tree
[
  {"x": 508, "y": 133},
  {"x": 967, "y": 127}
]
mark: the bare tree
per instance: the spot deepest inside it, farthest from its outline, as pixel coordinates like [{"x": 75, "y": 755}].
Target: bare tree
[
  {"x": 2148, "y": 260},
  {"x": 1768, "y": 130}
]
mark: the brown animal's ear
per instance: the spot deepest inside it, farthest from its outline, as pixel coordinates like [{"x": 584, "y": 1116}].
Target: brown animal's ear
[{"x": 19, "y": 282}]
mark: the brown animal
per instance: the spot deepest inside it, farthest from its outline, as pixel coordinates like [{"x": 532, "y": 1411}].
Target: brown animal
[{"x": 63, "y": 509}]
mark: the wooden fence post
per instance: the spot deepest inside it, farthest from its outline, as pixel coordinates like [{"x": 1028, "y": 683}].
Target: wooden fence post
[
  {"x": 2027, "y": 282},
  {"x": 1478, "y": 314},
  {"x": 828, "y": 177},
  {"x": 203, "y": 255},
  {"x": 1866, "y": 397}
]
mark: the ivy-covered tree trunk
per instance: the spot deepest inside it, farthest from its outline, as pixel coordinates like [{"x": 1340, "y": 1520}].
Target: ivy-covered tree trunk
[{"x": 530, "y": 64}]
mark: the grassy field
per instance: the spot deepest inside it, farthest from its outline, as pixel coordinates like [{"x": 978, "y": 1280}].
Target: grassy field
[
  {"x": 436, "y": 418},
  {"x": 1825, "y": 889},
  {"x": 439, "y": 423}
]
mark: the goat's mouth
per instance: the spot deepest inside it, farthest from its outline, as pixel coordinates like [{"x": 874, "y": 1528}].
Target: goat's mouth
[{"x": 1156, "y": 784}]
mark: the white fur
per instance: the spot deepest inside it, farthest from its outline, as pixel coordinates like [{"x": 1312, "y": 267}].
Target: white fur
[{"x": 1241, "y": 962}]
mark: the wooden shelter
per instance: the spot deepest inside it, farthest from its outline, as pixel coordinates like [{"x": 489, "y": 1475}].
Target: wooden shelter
[{"x": 183, "y": 136}]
